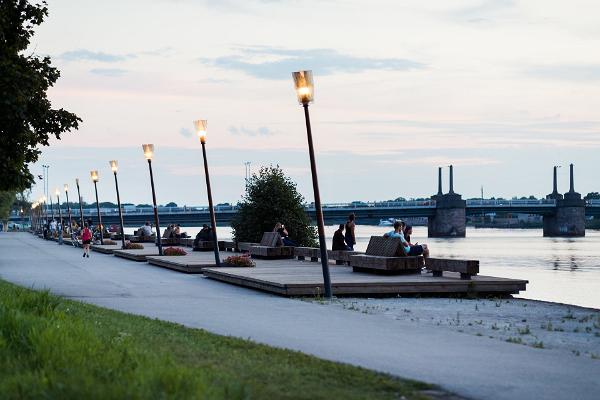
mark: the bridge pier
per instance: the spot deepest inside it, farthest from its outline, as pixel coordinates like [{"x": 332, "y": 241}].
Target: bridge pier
[
  {"x": 450, "y": 219},
  {"x": 569, "y": 217}
]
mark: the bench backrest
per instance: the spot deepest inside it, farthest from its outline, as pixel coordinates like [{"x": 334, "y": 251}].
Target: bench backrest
[
  {"x": 271, "y": 239},
  {"x": 385, "y": 247}
]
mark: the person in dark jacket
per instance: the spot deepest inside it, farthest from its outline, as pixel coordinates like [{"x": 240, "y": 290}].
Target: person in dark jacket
[
  {"x": 204, "y": 235},
  {"x": 338, "y": 240}
]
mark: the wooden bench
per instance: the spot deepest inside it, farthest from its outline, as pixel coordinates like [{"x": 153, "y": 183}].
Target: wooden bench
[
  {"x": 227, "y": 245},
  {"x": 341, "y": 257},
  {"x": 189, "y": 242},
  {"x": 385, "y": 256},
  {"x": 314, "y": 253},
  {"x": 271, "y": 247},
  {"x": 143, "y": 239},
  {"x": 244, "y": 247},
  {"x": 466, "y": 268},
  {"x": 203, "y": 245}
]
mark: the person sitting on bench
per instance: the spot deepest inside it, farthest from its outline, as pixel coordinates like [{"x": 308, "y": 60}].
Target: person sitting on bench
[
  {"x": 146, "y": 229},
  {"x": 397, "y": 233},
  {"x": 205, "y": 235},
  {"x": 168, "y": 233},
  {"x": 280, "y": 228},
  {"x": 418, "y": 247},
  {"x": 338, "y": 240}
]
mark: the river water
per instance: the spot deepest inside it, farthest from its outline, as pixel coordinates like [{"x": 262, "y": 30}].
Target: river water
[{"x": 564, "y": 270}]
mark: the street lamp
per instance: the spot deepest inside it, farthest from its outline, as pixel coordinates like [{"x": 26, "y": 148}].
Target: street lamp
[
  {"x": 95, "y": 179},
  {"x": 68, "y": 206},
  {"x": 80, "y": 205},
  {"x": 303, "y": 82},
  {"x": 60, "y": 231},
  {"x": 201, "y": 128},
  {"x": 114, "y": 166},
  {"x": 149, "y": 153}
]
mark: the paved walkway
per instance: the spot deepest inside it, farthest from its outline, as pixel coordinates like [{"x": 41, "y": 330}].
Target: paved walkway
[{"x": 471, "y": 366}]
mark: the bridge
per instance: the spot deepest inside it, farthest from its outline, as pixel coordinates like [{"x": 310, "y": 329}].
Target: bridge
[{"x": 446, "y": 213}]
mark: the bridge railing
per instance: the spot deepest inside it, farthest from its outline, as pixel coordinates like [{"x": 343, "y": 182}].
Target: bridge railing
[{"x": 511, "y": 203}]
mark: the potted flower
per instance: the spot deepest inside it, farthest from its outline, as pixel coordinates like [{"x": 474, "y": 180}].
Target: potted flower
[
  {"x": 243, "y": 260},
  {"x": 133, "y": 246},
  {"x": 174, "y": 251}
]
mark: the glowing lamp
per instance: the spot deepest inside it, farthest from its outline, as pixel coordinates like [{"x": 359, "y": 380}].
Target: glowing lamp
[
  {"x": 148, "y": 151},
  {"x": 94, "y": 175},
  {"x": 201, "y": 127},
  {"x": 303, "y": 82},
  {"x": 114, "y": 165}
]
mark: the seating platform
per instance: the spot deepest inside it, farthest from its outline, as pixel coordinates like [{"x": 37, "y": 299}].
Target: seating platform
[
  {"x": 192, "y": 263},
  {"x": 106, "y": 248},
  {"x": 271, "y": 247},
  {"x": 137, "y": 254},
  {"x": 302, "y": 278}
]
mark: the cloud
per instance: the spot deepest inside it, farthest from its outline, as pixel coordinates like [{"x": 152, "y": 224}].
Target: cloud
[
  {"x": 276, "y": 63},
  {"x": 185, "y": 132},
  {"x": 566, "y": 72},
  {"x": 484, "y": 11},
  {"x": 110, "y": 72},
  {"x": 260, "y": 131},
  {"x": 87, "y": 55}
]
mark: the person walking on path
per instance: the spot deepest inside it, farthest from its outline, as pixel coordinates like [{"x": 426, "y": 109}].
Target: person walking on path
[
  {"x": 86, "y": 239},
  {"x": 349, "y": 236}
]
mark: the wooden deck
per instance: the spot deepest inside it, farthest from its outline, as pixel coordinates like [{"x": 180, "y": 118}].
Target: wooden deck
[
  {"x": 138, "y": 255},
  {"x": 106, "y": 248},
  {"x": 192, "y": 263},
  {"x": 306, "y": 279}
]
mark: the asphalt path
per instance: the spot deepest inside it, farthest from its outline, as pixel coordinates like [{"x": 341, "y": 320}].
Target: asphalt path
[{"x": 471, "y": 366}]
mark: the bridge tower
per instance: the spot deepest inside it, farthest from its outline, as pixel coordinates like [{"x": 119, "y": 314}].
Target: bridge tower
[
  {"x": 450, "y": 218},
  {"x": 569, "y": 217}
]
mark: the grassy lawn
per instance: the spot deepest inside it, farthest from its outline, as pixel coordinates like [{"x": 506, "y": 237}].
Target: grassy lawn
[{"x": 56, "y": 348}]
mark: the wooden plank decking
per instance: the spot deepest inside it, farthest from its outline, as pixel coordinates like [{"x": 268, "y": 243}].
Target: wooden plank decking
[
  {"x": 192, "y": 263},
  {"x": 138, "y": 255},
  {"x": 307, "y": 280},
  {"x": 106, "y": 248}
]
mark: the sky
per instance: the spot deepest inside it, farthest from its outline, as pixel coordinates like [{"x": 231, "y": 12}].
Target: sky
[{"x": 503, "y": 90}]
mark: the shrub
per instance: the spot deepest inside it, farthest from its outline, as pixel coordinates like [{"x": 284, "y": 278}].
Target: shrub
[
  {"x": 133, "y": 246},
  {"x": 174, "y": 251},
  {"x": 109, "y": 242},
  {"x": 240, "y": 261},
  {"x": 272, "y": 197}
]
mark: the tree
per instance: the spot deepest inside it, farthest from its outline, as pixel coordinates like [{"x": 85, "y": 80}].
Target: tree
[
  {"x": 592, "y": 196},
  {"x": 6, "y": 201},
  {"x": 27, "y": 119},
  {"x": 171, "y": 204},
  {"x": 272, "y": 197}
]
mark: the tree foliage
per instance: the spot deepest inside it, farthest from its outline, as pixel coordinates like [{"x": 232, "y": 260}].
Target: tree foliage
[
  {"x": 592, "y": 196},
  {"x": 6, "y": 201},
  {"x": 27, "y": 119},
  {"x": 272, "y": 197}
]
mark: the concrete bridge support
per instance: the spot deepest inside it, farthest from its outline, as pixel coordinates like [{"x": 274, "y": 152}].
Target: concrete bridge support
[
  {"x": 450, "y": 219},
  {"x": 569, "y": 217}
]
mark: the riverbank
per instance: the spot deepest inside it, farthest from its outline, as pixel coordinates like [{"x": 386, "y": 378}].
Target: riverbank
[{"x": 569, "y": 330}]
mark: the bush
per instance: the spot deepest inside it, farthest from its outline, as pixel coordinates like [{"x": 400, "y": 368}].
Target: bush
[
  {"x": 109, "y": 242},
  {"x": 133, "y": 246},
  {"x": 272, "y": 197},
  {"x": 174, "y": 251},
  {"x": 240, "y": 261}
]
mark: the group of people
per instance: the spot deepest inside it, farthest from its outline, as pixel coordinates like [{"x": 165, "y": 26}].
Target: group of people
[
  {"x": 174, "y": 231},
  {"x": 205, "y": 234},
  {"x": 404, "y": 232}
]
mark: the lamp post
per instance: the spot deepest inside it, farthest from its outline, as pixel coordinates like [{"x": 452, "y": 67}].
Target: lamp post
[
  {"x": 80, "y": 205},
  {"x": 201, "y": 127},
  {"x": 149, "y": 153},
  {"x": 68, "y": 206},
  {"x": 303, "y": 82},
  {"x": 44, "y": 211},
  {"x": 51, "y": 207},
  {"x": 60, "y": 231},
  {"x": 95, "y": 178},
  {"x": 114, "y": 166}
]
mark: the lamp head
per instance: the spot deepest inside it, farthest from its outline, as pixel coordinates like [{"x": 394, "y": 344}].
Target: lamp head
[
  {"x": 114, "y": 165},
  {"x": 148, "y": 151},
  {"x": 57, "y": 192},
  {"x": 201, "y": 127},
  {"x": 94, "y": 175},
  {"x": 66, "y": 188},
  {"x": 77, "y": 181},
  {"x": 303, "y": 83}
]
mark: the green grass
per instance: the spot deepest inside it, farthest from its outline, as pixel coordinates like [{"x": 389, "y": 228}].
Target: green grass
[{"x": 61, "y": 349}]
